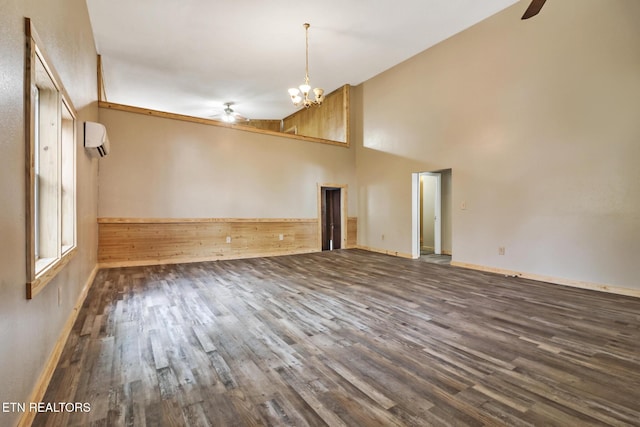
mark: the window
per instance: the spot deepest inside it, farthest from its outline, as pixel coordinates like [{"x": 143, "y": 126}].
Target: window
[{"x": 51, "y": 168}]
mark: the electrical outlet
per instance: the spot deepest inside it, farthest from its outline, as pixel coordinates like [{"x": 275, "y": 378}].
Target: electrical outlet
[
  {"x": 228, "y": 239},
  {"x": 281, "y": 237},
  {"x": 383, "y": 237},
  {"x": 501, "y": 250},
  {"x": 463, "y": 205}
]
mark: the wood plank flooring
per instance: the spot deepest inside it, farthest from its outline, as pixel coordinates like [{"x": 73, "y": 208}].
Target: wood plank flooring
[{"x": 346, "y": 338}]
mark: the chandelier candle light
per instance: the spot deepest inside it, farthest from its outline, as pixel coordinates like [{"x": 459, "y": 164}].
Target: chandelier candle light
[{"x": 300, "y": 95}]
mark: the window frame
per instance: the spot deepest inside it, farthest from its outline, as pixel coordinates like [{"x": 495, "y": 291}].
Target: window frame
[{"x": 61, "y": 210}]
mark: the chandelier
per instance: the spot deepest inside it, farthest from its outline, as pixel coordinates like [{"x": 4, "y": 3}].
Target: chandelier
[{"x": 300, "y": 95}]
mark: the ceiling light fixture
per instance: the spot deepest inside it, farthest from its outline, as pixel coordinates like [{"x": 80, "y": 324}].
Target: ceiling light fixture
[
  {"x": 228, "y": 114},
  {"x": 300, "y": 95}
]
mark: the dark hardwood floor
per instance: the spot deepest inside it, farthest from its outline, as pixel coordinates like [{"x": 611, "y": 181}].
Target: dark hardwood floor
[{"x": 346, "y": 338}]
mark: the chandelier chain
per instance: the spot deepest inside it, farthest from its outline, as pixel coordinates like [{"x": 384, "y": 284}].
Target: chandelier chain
[{"x": 306, "y": 64}]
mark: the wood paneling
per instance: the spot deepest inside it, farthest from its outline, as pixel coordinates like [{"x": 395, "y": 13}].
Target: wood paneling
[
  {"x": 328, "y": 121},
  {"x": 102, "y": 95},
  {"x": 132, "y": 241},
  {"x": 352, "y": 232},
  {"x": 272, "y": 125},
  {"x": 345, "y": 338}
]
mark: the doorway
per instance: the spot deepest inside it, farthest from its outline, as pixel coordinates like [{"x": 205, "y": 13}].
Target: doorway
[
  {"x": 331, "y": 218},
  {"x": 430, "y": 216},
  {"x": 430, "y": 213}
]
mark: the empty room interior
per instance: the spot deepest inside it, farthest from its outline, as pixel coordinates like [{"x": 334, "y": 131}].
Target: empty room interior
[{"x": 445, "y": 231}]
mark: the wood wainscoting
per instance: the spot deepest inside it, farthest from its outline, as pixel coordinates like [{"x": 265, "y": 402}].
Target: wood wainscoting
[
  {"x": 352, "y": 232},
  {"x": 149, "y": 241}
]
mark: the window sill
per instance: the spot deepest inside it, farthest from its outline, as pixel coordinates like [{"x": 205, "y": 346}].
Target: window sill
[
  {"x": 43, "y": 264},
  {"x": 48, "y": 273}
]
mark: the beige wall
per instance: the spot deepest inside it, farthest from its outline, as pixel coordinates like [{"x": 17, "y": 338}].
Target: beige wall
[
  {"x": 29, "y": 329},
  {"x": 163, "y": 168},
  {"x": 538, "y": 120}
]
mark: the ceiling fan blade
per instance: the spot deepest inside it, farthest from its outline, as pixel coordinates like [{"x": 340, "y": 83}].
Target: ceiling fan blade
[
  {"x": 240, "y": 118},
  {"x": 229, "y": 118},
  {"x": 228, "y": 115},
  {"x": 533, "y": 9}
]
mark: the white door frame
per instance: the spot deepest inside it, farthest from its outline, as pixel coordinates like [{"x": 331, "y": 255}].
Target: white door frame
[{"x": 415, "y": 215}]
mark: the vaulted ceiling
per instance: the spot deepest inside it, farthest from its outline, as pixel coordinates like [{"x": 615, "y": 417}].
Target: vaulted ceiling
[{"x": 192, "y": 56}]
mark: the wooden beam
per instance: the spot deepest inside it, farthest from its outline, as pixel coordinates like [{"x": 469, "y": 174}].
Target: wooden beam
[{"x": 102, "y": 95}]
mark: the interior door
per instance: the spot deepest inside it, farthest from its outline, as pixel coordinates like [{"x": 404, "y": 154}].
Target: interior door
[{"x": 331, "y": 219}]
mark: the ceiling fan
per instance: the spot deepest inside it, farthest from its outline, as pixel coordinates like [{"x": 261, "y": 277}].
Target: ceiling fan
[
  {"x": 229, "y": 115},
  {"x": 533, "y": 9}
]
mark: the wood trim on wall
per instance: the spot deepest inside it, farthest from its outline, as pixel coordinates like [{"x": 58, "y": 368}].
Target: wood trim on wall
[
  {"x": 153, "y": 241},
  {"x": 537, "y": 277},
  {"x": 210, "y": 122},
  {"x": 555, "y": 280},
  {"x": 37, "y": 395},
  {"x": 195, "y": 220},
  {"x": 346, "y": 111},
  {"x": 44, "y": 219},
  {"x": 352, "y": 232},
  {"x": 135, "y": 241},
  {"x": 38, "y": 284},
  {"x": 384, "y": 251},
  {"x": 102, "y": 95}
]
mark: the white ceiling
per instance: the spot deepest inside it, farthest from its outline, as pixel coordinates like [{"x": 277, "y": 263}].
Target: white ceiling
[{"x": 192, "y": 56}]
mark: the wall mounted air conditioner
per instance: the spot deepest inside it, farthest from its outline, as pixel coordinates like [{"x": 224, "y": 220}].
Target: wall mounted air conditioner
[{"x": 96, "y": 141}]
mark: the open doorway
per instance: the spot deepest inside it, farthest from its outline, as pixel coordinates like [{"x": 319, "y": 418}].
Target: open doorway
[
  {"x": 332, "y": 217},
  {"x": 431, "y": 215}
]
